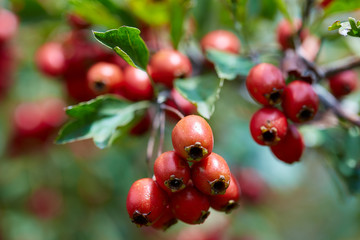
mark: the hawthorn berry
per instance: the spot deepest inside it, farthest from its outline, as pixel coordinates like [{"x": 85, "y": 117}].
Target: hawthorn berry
[
  {"x": 8, "y": 24},
  {"x": 291, "y": 147},
  {"x": 325, "y": 3},
  {"x": 77, "y": 87},
  {"x": 265, "y": 83},
  {"x": 166, "y": 65},
  {"x": 166, "y": 220},
  {"x": 50, "y": 59},
  {"x": 286, "y": 32},
  {"x": 181, "y": 103},
  {"x": 77, "y": 21},
  {"x": 343, "y": 83},
  {"x": 211, "y": 175},
  {"x": 142, "y": 126},
  {"x": 137, "y": 84},
  {"x": 45, "y": 203},
  {"x": 253, "y": 186},
  {"x": 221, "y": 40},
  {"x": 300, "y": 102},
  {"x": 268, "y": 126},
  {"x": 146, "y": 202},
  {"x": 190, "y": 205},
  {"x": 172, "y": 173},
  {"x": 228, "y": 201},
  {"x": 192, "y": 138}
]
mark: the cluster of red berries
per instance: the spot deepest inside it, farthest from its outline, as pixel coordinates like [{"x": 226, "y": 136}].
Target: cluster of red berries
[
  {"x": 179, "y": 191},
  {"x": 269, "y": 125},
  {"x": 8, "y": 28}
]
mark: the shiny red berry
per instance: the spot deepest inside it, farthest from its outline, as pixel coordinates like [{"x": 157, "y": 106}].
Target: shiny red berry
[
  {"x": 265, "y": 83},
  {"x": 211, "y": 175},
  {"x": 192, "y": 138},
  {"x": 300, "y": 102},
  {"x": 172, "y": 173},
  {"x": 343, "y": 83},
  {"x": 268, "y": 126},
  {"x": 104, "y": 77},
  {"x": 181, "y": 103},
  {"x": 146, "y": 202},
  {"x": 167, "y": 220},
  {"x": 8, "y": 24},
  {"x": 190, "y": 205},
  {"x": 167, "y": 65},
  {"x": 221, "y": 40},
  {"x": 290, "y": 148},
  {"x": 228, "y": 201},
  {"x": 50, "y": 59},
  {"x": 137, "y": 84}
]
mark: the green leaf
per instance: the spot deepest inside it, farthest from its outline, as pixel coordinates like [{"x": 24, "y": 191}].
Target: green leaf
[
  {"x": 101, "y": 119},
  {"x": 336, "y": 25},
  {"x": 228, "y": 65},
  {"x": 127, "y": 43},
  {"x": 154, "y": 13},
  {"x": 203, "y": 91},
  {"x": 178, "y": 11},
  {"x": 341, "y": 6},
  {"x": 283, "y": 9}
]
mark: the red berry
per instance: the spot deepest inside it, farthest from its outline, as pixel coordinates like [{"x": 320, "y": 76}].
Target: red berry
[
  {"x": 300, "y": 102},
  {"x": 192, "y": 138},
  {"x": 190, "y": 205},
  {"x": 290, "y": 148},
  {"x": 45, "y": 203},
  {"x": 166, "y": 220},
  {"x": 228, "y": 201},
  {"x": 77, "y": 87},
  {"x": 167, "y": 65},
  {"x": 8, "y": 24},
  {"x": 268, "y": 126},
  {"x": 137, "y": 85},
  {"x": 50, "y": 59},
  {"x": 221, "y": 40},
  {"x": 211, "y": 175},
  {"x": 325, "y": 3},
  {"x": 77, "y": 21},
  {"x": 28, "y": 119},
  {"x": 253, "y": 186},
  {"x": 53, "y": 110},
  {"x": 104, "y": 77},
  {"x": 146, "y": 202},
  {"x": 181, "y": 103},
  {"x": 172, "y": 173},
  {"x": 265, "y": 84},
  {"x": 142, "y": 126},
  {"x": 286, "y": 32},
  {"x": 343, "y": 83}
]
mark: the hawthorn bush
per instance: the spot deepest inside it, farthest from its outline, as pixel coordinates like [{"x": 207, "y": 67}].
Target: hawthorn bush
[{"x": 210, "y": 119}]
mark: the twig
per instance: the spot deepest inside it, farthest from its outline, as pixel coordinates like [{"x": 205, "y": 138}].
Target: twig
[
  {"x": 341, "y": 65},
  {"x": 173, "y": 110},
  {"x": 330, "y": 102},
  {"x": 162, "y": 132},
  {"x": 151, "y": 142}
]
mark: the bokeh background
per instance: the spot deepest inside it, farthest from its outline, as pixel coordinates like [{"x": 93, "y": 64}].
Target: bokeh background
[{"x": 76, "y": 191}]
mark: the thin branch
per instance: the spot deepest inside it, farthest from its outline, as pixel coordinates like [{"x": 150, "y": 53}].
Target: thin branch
[
  {"x": 332, "y": 103},
  {"x": 162, "y": 133},
  {"x": 151, "y": 143},
  {"x": 173, "y": 110},
  {"x": 341, "y": 65}
]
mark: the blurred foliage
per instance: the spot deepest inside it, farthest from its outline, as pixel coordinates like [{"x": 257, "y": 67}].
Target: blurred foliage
[{"x": 314, "y": 199}]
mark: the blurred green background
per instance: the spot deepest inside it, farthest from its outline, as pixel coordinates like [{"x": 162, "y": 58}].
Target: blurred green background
[{"x": 82, "y": 190}]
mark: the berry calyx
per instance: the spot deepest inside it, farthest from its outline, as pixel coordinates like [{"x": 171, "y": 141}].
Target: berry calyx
[
  {"x": 268, "y": 126},
  {"x": 192, "y": 138},
  {"x": 172, "y": 173},
  {"x": 290, "y": 149},
  {"x": 300, "y": 102},
  {"x": 343, "y": 83},
  {"x": 211, "y": 175},
  {"x": 221, "y": 40},
  {"x": 265, "y": 83},
  {"x": 228, "y": 201},
  {"x": 190, "y": 205},
  {"x": 166, "y": 65},
  {"x": 146, "y": 202},
  {"x": 104, "y": 77}
]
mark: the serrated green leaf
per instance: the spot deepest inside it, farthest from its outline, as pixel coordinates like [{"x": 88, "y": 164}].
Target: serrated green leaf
[
  {"x": 100, "y": 119},
  {"x": 336, "y": 25},
  {"x": 228, "y": 65},
  {"x": 203, "y": 91},
  {"x": 127, "y": 43}
]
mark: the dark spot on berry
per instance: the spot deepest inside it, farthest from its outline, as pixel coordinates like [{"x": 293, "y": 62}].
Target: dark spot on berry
[
  {"x": 175, "y": 184},
  {"x": 305, "y": 114},
  {"x": 231, "y": 206},
  {"x": 219, "y": 187},
  {"x": 99, "y": 86},
  {"x": 140, "y": 219},
  {"x": 269, "y": 136},
  {"x": 275, "y": 97},
  {"x": 195, "y": 152},
  {"x": 204, "y": 215}
]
